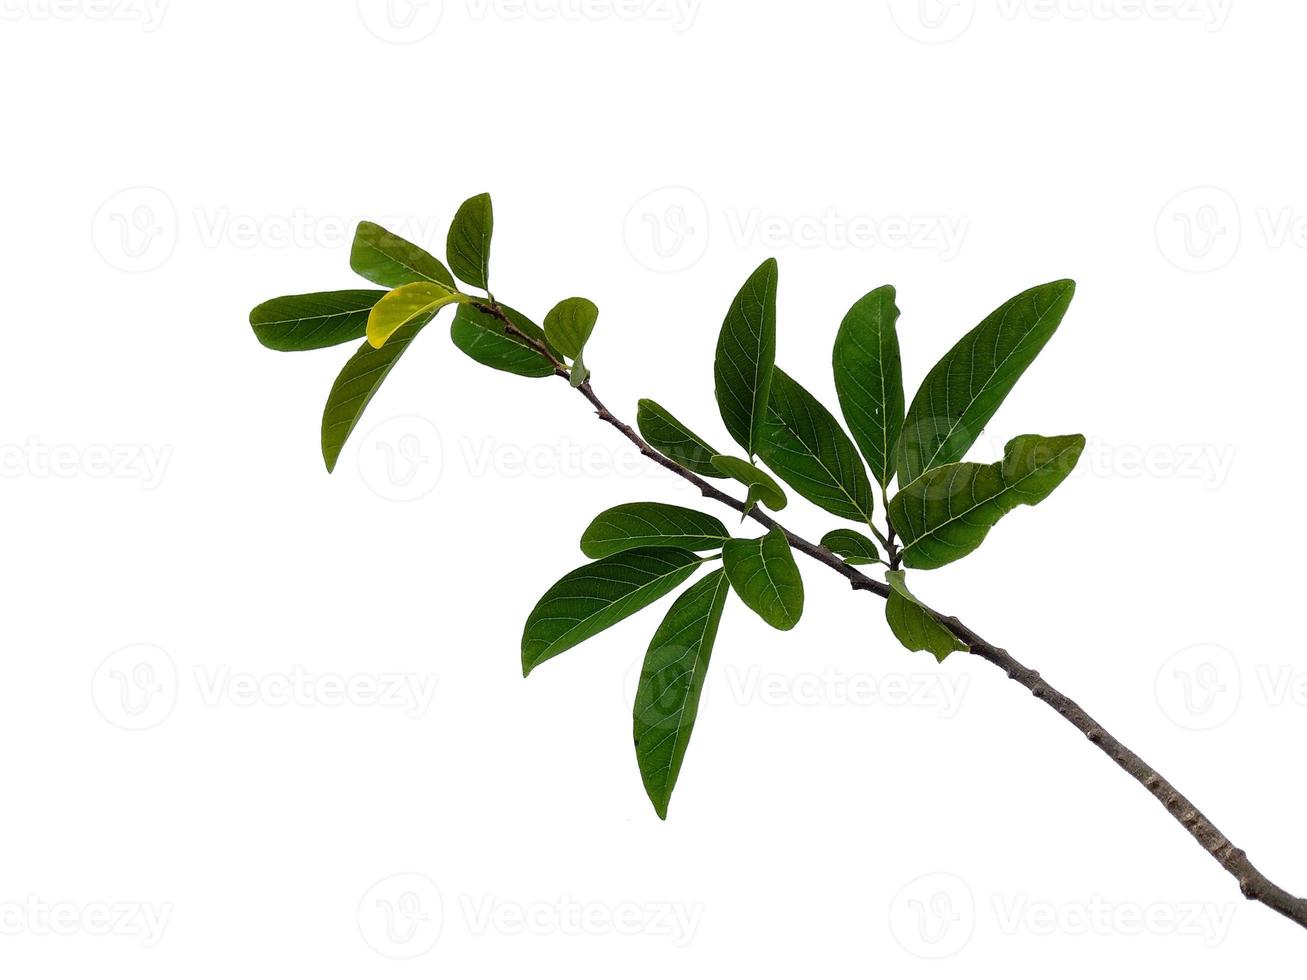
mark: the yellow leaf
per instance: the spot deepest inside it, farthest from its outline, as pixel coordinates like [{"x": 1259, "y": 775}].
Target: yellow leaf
[{"x": 404, "y": 305}]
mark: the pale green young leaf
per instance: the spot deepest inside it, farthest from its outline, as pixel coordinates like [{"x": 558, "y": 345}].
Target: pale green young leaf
[
  {"x": 762, "y": 488},
  {"x": 592, "y": 598},
  {"x": 405, "y": 305},
  {"x": 652, "y": 525},
  {"x": 913, "y": 625},
  {"x": 310, "y": 321},
  {"x": 764, "y": 574},
  {"x": 869, "y": 379},
  {"x": 964, "y": 390},
  {"x": 671, "y": 682},
  {"x": 664, "y": 432},
  {"x": 946, "y": 513},
  {"x": 804, "y": 445},
  {"x": 383, "y": 257},
  {"x": 746, "y": 355},
  {"x": 853, "y": 546},
  {"x": 468, "y": 244}
]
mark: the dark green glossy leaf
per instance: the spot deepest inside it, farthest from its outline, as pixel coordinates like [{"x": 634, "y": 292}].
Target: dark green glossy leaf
[
  {"x": 569, "y": 325},
  {"x": 665, "y": 433},
  {"x": 805, "y": 446},
  {"x": 314, "y": 320},
  {"x": 763, "y": 573},
  {"x": 671, "y": 682},
  {"x": 468, "y": 245},
  {"x": 357, "y": 382},
  {"x": 853, "y": 546},
  {"x": 592, "y": 598},
  {"x": 746, "y": 354},
  {"x": 964, "y": 390},
  {"x": 913, "y": 625},
  {"x": 481, "y": 336},
  {"x": 762, "y": 488},
  {"x": 649, "y": 525},
  {"x": 947, "y": 513},
  {"x": 383, "y": 257},
  {"x": 869, "y": 379}
]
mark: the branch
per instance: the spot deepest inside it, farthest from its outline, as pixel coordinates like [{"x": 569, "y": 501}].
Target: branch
[{"x": 1254, "y": 885}]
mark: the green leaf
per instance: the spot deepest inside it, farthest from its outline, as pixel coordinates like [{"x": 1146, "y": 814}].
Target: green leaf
[
  {"x": 869, "y": 379},
  {"x": 313, "y": 320},
  {"x": 592, "y": 598},
  {"x": 805, "y": 446},
  {"x": 383, "y": 257},
  {"x": 357, "y": 383},
  {"x": 964, "y": 390},
  {"x": 853, "y": 546},
  {"x": 468, "y": 246},
  {"x": 912, "y": 623},
  {"x": 633, "y": 526},
  {"x": 671, "y": 681},
  {"x": 481, "y": 336},
  {"x": 406, "y": 304},
  {"x": 746, "y": 354},
  {"x": 946, "y": 514},
  {"x": 761, "y": 486},
  {"x": 764, "y": 574},
  {"x": 579, "y": 373},
  {"x": 569, "y": 325},
  {"x": 665, "y": 433}
]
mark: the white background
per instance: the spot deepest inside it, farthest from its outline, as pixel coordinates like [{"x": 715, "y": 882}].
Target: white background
[{"x": 187, "y": 590}]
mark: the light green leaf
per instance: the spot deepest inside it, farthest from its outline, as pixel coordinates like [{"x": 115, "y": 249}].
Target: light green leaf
[
  {"x": 313, "y": 320},
  {"x": 592, "y": 598},
  {"x": 357, "y": 383},
  {"x": 569, "y": 325},
  {"x": 853, "y": 546},
  {"x": 762, "y": 488},
  {"x": 468, "y": 245},
  {"x": 912, "y": 623},
  {"x": 481, "y": 336},
  {"x": 746, "y": 354},
  {"x": 764, "y": 574},
  {"x": 579, "y": 373},
  {"x": 804, "y": 445},
  {"x": 964, "y": 390},
  {"x": 665, "y": 433},
  {"x": 383, "y": 257},
  {"x": 405, "y": 305},
  {"x": 633, "y": 526},
  {"x": 947, "y": 513},
  {"x": 869, "y": 379},
  {"x": 671, "y": 682}
]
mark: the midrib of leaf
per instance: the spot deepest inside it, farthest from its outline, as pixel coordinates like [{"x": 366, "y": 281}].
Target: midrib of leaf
[{"x": 616, "y": 602}]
